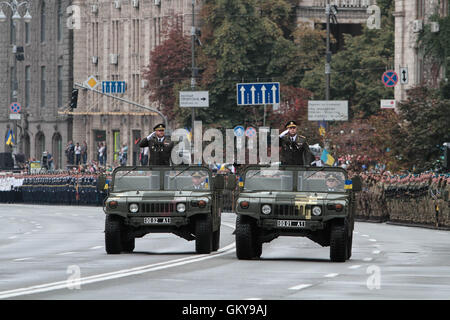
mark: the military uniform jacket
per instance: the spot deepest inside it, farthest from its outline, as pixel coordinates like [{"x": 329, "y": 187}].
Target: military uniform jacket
[
  {"x": 160, "y": 152},
  {"x": 295, "y": 152}
]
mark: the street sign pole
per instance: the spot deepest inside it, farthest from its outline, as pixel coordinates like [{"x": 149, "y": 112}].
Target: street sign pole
[{"x": 193, "y": 66}]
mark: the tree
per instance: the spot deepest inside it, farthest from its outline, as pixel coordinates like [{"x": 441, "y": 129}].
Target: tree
[{"x": 169, "y": 66}]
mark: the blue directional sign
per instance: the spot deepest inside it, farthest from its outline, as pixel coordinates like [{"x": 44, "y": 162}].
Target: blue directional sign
[
  {"x": 239, "y": 131},
  {"x": 113, "y": 86},
  {"x": 258, "y": 93}
]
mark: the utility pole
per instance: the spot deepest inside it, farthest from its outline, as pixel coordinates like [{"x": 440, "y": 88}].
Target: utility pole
[
  {"x": 193, "y": 63},
  {"x": 328, "y": 53}
]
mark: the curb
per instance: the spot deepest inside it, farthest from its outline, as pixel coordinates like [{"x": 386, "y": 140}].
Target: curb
[{"x": 406, "y": 224}]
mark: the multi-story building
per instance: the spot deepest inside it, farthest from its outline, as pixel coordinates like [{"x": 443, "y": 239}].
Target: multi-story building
[
  {"x": 44, "y": 78},
  {"x": 114, "y": 43},
  {"x": 410, "y": 18}
]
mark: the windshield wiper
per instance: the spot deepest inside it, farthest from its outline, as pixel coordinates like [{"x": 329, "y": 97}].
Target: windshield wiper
[
  {"x": 132, "y": 169},
  {"x": 179, "y": 173},
  {"x": 315, "y": 173}
]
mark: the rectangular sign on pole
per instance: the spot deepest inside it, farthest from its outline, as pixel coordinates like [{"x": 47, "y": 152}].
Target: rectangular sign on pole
[
  {"x": 387, "y": 104},
  {"x": 249, "y": 94},
  {"x": 113, "y": 86},
  {"x": 193, "y": 99},
  {"x": 327, "y": 110},
  {"x": 14, "y": 116}
]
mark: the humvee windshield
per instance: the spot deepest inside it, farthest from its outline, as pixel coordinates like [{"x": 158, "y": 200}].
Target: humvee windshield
[
  {"x": 272, "y": 180},
  {"x": 186, "y": 180},
  {"x": 136, "y": 180},
  {"x": 323, "y": 181}
]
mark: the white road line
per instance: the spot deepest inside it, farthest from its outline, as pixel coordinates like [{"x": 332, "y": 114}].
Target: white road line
[
  {"x": 253, "y": 299},
  {"x": 27, "y": 233},
  {"x": 300, "y": 287},
  {"x": 356, "y": 266},
  {"x": 367, "y": 259},
  {"x": 22, "y": 259},
  {"x": 365, "y": 235},
  {"x": 118, "y": 274},
  {"x": 373, "y": 240},
  {"x": 376, "y": 251},
  {"x": 97, "y": 247},
  {"x": 12, "y": 237},
  {"x": 331, "y": 275},
  {"x": 66, "y": 253}
]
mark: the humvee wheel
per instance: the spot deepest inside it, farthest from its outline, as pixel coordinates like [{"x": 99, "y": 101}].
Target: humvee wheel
[
  {"x": 349, "y": 246},
  {"x": 216, "y": 240},
  {"x": 128, "y": 241},
  {"x": 113, "y": 228},
  {"x": 338, "y": 243},
  {"x": 247, "y": 245},
  {"x": 203, "y": 235}
]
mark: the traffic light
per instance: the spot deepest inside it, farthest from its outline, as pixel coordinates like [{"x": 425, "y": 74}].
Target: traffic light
[{"x": 74, "y": 99}]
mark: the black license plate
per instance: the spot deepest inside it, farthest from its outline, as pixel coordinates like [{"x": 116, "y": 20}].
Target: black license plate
[
  {"x": 290, "y": 224},
  {"x": 150, "y": 220}
]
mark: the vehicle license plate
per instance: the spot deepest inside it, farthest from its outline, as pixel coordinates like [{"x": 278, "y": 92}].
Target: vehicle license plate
[
  {"x": 150, "y": 220},
  {"x": 290, "y": 224}
]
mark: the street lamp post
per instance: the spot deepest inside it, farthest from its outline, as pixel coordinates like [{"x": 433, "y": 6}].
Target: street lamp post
[{"x": 14, "y": 5}]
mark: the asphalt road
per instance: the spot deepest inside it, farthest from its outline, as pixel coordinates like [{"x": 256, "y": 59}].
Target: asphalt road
[{"x": 57, "y": 252}]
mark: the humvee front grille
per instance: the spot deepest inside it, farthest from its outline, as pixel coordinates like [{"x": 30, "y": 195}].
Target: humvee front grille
[
  {"x": 288, "y": 210},
  {"x": 157, "y": 208}
]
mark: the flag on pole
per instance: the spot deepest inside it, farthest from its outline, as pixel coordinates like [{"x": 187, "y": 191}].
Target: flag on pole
[
  {"x": 322, "y": 128},
  {"x": 10, "y": 138},
  {"x": 327, "y": 158}
]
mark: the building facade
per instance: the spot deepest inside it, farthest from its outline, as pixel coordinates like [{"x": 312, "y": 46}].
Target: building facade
[
  {"x": 411, "y": 16},
  {"x": 44, "y": 79},
  {"x": 114, "y": 43}
]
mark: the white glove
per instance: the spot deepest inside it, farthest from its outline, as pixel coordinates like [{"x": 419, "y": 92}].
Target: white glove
[
  {"x": 284, "y": 133},
  {"x": 151, "y": 135}
]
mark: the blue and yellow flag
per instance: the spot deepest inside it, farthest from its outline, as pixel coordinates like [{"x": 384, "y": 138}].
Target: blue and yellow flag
[
  {"x": 241, "y": 182},
  {"x": 327, "y": 158},
  {"x": 106, "y": 187},
  {"x": 10, "y": 138},
  {"x": 322, "y": 128},
  {"x": 348, "y": 185}
]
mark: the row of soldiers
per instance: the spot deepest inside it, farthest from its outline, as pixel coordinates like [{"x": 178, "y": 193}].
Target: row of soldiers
[
  {"x": 414, "y": 198},
  {"x": 61, "y": 188}
]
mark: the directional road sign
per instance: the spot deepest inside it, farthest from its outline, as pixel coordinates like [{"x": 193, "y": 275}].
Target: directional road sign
[
  {"x": 390, "y": 78},
  {"x": 113, "y": 86},
  {"x": 239, "y": 131},
  {"x": 258, "y": 93},
  {"x": 404, "y": 75},
  {"x": 194, "y": 99},
  {"x": 15, "y": 107}
]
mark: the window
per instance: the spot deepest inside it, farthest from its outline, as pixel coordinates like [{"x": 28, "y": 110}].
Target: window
[
  {"x": 27, "y": 33},
  {"x": 60, "y": 86},
  {"x": 27, "y": 86},
  {"x": 12, "y": 35},
  {"x": 43, "y": 21},
  {"x": 60, "y": 21},
  {"x": 420, "y": 6},
  {"x": 42, "y": 87}
]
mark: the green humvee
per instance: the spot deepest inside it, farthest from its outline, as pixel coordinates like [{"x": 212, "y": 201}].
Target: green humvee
[
  {"x": 183, "y": 200},
  {"x": 314, "y": 202}
]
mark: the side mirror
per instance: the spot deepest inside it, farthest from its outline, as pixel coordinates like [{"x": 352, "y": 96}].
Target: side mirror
[
  {"x": 219, "y": 182},
  {"x": 231, "y": 182},
  {"x": 356, "y": 184}
]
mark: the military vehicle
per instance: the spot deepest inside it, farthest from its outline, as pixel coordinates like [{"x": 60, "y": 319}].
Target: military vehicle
[
  {"x": 183, "y": 200},
  {"x": 314, "y": 202}
]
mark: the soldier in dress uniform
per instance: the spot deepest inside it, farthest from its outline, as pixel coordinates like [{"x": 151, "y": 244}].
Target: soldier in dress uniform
[
  {"x": 160, "y": 147},
  {"x": 197, "y": 181},
  {"x": 294, "y": 147}
]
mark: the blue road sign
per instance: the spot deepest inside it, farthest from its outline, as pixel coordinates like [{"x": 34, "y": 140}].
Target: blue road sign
[
  {"x": 258, "y": 93},
  {"x": 239, "y": 131},
  {"x": 113, "y": 86},
  {"x": 389, "y": 78}
]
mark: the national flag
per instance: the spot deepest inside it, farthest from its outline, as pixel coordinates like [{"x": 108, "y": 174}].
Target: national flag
[
  {"x": 327, "y": 158},
  {"x": 206, "y": 184},
  {"x": 322, "y": 128},
  {"x": 106, "y": 187},
  {"x": 348, "y": 185},
  {"x": 10, "y": 138},
  {"x": 241, "y": 182}
]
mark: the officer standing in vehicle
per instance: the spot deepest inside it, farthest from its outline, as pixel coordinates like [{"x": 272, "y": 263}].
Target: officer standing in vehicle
[
  {"x": 294, "y": 147},
  {"x": 160, "y": 147}
]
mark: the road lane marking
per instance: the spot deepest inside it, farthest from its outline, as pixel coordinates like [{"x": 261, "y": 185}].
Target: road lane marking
[
  {"x": 376, "y": 251},
  {"x": 66, "y": 253},
  {"x": 22, "y": 259},
  {"x": 331, "y": 275},
  {"x": 12, "y": 237},
  {"x": 367, "y": 259},
  {"x": 300, "y": 287},
  {"x": 373, "y": 240},
  {"x": 96, "y": 247},
  {"x": 365, "y": 235},
  {"x": 119, "y": 274},
  {"x": 356, "y": 266}
]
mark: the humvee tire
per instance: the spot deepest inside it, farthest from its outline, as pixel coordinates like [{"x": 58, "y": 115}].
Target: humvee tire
[
  {"x": 247, "y": 246},
  {"x": 128, "y": 241},
  {"x": 349, "y": 246},
  {"x": 216, "y": 240},
  {"x": 113, "y": 239},
  {"x": 338, "y": 243},
  {"x": 203, "y": 235}
]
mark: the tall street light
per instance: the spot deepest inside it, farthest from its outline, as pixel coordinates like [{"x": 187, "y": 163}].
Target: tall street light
[{"x": 14, "y": 5}]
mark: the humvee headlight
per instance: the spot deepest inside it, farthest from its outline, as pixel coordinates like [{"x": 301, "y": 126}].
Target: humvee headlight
[
  {"x": 316, "y": 211},
  {"x": 266, "y": 209},
  {"x": 133, "y": 208},
  {"x": 181, "y": 207}
]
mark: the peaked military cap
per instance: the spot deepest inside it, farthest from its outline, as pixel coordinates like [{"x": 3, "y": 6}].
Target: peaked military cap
[
  {"x": 291, "y": 124},
  {"x": 159, "y": 126},
  {"x": 331, "y": 176},
  {"x": 197, "y": 174}
]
